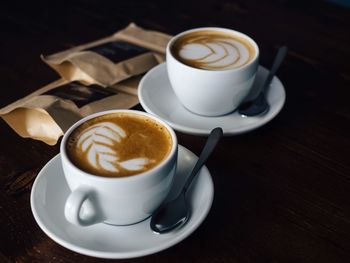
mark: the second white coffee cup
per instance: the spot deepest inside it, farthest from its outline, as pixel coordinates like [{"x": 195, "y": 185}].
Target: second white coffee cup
[{"x": 215, "y": 90}]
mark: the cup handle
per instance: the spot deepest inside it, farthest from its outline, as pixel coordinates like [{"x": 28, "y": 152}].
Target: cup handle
[{"x": 74, "y": 204}]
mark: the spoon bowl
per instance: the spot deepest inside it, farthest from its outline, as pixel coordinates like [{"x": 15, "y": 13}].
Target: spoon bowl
[
  {"x": 175, "y": 213},
  {"x": 258, "y": 106}
]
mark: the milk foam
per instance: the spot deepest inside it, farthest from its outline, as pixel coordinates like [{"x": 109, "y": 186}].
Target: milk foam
[
  {"x": 97, "y": 142},
  {"x": 215, "y": 53}
]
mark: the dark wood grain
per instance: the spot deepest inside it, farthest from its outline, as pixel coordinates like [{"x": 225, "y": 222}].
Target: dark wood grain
[{"x": 281, "y": 192}]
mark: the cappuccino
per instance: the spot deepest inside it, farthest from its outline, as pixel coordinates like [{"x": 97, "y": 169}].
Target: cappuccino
[
  {"x": 119, "y": 144},
  {"x": 213, "y": 50}
]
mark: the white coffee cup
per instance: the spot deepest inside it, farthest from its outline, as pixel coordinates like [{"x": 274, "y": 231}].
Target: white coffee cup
[
  {"x": 211, "y": 92},
  {"x": 116, "y": 200}
]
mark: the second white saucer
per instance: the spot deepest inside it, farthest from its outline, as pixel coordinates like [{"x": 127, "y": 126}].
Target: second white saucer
[{"x": 157, "y": 97}]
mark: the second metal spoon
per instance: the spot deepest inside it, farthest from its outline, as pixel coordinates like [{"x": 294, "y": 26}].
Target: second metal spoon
[{"x": 260, "y": 105}]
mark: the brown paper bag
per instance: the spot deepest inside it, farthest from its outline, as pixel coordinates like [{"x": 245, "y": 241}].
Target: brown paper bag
[
  {"x": 47, "y": 113},
  {"x": 129, "y": 52}
]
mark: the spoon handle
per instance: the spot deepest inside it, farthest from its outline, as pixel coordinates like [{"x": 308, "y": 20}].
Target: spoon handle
[
  {"x": 282, "y": 52},
  {"x": 210, "y": 145}
]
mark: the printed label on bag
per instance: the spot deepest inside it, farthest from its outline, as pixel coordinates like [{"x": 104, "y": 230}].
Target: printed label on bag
[
  {"x": 118, "y": 50},
  {"x": 79, "y": 93}
]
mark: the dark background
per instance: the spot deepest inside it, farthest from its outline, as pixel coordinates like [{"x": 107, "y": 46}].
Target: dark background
[{"x": 281, "y": 192}]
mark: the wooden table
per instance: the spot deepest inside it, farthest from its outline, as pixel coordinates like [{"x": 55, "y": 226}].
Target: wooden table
[{"x": 282, "y": 192}]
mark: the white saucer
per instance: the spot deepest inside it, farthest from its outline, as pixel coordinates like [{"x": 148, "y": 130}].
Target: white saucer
[
  {"x": 157, "y": 97},
  {"x": 49, "y": 194}
]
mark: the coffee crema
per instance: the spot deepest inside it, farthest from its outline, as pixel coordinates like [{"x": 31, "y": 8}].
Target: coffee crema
[
  {"x": 119, "y": 144},
  {"x": 213, "y": 50}
]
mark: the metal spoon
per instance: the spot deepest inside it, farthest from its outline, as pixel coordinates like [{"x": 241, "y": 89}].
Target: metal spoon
[
  {"x": 176, "y": 212},
  {"x": 259, "y": 105}
]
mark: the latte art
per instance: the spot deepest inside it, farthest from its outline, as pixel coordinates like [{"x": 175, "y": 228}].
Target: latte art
[
  {"x": 97, "y": 143},
  {"x": 212, "y": 50},
  {"x": 118, "y": 145}
]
